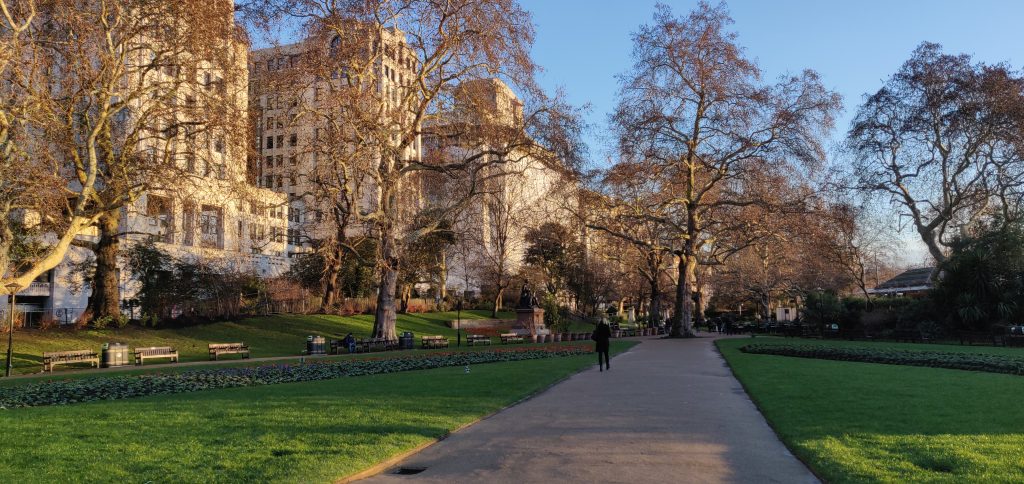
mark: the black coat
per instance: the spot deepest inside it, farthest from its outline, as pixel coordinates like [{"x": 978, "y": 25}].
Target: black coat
[{"x": 601, "y": 335}]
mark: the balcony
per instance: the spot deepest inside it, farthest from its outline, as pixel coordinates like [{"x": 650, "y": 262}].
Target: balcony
[{"x": 37, "y": 288}]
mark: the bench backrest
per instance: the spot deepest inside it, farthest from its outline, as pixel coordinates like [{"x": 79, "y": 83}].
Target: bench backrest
[
  {"x": 155, "y": 350},
  {"x": 509, "y": 335},
  {"x": 227, "y": 346},
  {"x": 68, "y": 354},
  {"x": 476, "y": 336},
  {"x": 426, "y": 338}
]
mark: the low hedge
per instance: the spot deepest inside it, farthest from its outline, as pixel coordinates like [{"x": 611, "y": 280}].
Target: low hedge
[
  {"x": 63, "y": 392},
  {"x": 933, "y": 359}
]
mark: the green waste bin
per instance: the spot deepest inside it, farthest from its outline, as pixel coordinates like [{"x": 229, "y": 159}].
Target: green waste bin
[{"x": 115, "y": 354}]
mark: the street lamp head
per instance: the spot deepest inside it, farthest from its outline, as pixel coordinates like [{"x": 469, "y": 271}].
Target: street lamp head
[{"x": 13, "y": 287}]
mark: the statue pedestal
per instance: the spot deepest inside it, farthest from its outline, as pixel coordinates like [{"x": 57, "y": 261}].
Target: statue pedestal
[{"x": 532, "y": 320}]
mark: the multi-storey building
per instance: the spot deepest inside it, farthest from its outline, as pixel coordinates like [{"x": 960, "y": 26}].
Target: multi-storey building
[
  {"x": 527, "y": 189},
  {"x": 300, "y": 98},
  {"x": 206, "y": 210}
]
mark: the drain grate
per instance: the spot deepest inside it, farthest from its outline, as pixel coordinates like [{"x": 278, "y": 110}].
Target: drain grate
[{"x": 405, "y": 471}]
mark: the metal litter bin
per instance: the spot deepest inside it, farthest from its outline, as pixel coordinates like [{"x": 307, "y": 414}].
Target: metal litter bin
[
  {"x": 406, "y": 341},
  {"x": 316, "y": 345},
  {"x": 115, "y": 354}
]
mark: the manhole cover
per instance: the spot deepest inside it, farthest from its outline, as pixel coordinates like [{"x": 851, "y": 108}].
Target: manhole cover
[{"x": 410, "y": 470}]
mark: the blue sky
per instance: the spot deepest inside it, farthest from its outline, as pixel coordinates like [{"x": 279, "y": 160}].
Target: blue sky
[{"x": 854, "y": 44}]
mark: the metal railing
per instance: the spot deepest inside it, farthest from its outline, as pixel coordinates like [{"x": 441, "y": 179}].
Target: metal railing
[{"x": 34, "y": 318}]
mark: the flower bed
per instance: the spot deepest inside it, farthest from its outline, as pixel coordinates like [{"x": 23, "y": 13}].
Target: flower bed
[
  {"x": 933, "y": 359},
  {"x": 129, "y": 386}
]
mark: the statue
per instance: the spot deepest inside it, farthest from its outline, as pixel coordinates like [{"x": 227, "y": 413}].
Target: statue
[{"x": 526, "y": 298}]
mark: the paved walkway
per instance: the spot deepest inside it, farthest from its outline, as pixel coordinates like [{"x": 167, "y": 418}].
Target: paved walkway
[{"x": 669, "y": 411}]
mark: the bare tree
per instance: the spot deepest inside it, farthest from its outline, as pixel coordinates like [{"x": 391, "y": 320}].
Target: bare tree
[
  {"x": 631, "y": 210},
  {"x": 941, "y": 140},
  {"x": 103, "y": 78},
  {"x": 695, "y": 109},
  {"x": 407, "y": 60}
]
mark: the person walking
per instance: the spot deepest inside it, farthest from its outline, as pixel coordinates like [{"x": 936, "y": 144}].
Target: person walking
[{"x": 602, "y": 335}]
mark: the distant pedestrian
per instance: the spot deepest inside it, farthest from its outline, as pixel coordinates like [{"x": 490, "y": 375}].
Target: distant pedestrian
[
  {"x": 350, "y": 343},
  {"x": 602, "y": 335}
]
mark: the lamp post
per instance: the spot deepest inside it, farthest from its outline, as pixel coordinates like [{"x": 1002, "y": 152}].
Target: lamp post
[
  {"x": 458, "y": 322},
  {"x": 12, "y": 289}
]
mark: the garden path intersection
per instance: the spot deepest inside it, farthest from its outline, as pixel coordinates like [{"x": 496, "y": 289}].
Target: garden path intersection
[{"x": 670, "y": 411}]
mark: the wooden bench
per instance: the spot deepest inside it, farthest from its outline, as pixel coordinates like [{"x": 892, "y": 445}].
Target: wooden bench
[
  {"x": 217, "y": 349},
  {"x": 141, "y": 354},
  {"x": 510, "y": 338},
  {"x": 54, "y": 358},
  {"x": 477, "y": 339},
  {"x": 366, "y": 345},
  {"x": 428, "y": 342},
  {"x": 338, "y": 346}
]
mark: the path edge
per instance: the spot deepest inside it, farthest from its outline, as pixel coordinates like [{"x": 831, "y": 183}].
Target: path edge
[{"x": 757, "y": 405}]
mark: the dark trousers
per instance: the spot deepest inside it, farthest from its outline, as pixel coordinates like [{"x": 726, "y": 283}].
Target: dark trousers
[{"x": 602, "y": 352}]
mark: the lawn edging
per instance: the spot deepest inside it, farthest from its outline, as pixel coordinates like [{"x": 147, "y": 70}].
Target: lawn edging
[{"x": 757, "y": 404}]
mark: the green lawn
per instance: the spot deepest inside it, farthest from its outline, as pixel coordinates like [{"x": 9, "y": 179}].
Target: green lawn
[
  {"x": 296, "y": 432},
  {"x": 266, "y": 336},
  {"x": 863, "y": 422}
]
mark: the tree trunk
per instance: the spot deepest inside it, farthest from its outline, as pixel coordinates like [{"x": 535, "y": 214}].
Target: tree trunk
[
  {"x": 929, "y": 239},
  {"x": 765, "y": 303},
  {"x": 654, "y": 311},
  {"x": 385, "y": 316},
  {"x": 702, "y": 302},
  {"x": 498, "y": 300},
  {"x": 682, "y": 322},
  {"x": 331, "y": 272},
  {"x": 105, "y": 300},
  {"x": 406, "y": 295},
  {"x": 442, "y": 281}
]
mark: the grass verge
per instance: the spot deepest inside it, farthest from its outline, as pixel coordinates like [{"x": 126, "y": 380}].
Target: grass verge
[
  {"x": 865, "y": 422},
  {"x": 295, "y": 432}
]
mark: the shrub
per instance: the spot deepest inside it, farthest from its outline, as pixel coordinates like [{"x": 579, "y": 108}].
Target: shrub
[
  {"x": 933, "y": 359},
  {"x": 131, "y": 386}
]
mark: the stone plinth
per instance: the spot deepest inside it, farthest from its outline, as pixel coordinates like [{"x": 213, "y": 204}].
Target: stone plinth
[{"x": 532, "y": 320}]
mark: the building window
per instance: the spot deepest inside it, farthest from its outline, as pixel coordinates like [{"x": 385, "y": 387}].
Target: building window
[
  {"x": 280, "y": 160},
  {"x": 280, "y": 181},
  {"x": 218, "y": 145},
  {"x": 269, "y": 181},
  {"x": 188, "y": 221},
  {"x": 270, "y": 162},
  {"x": 270, "y": 142},
  {"x": 292, "y": 160},
  {"x": 190, "y": 162},
  {"x": 293, "y": 140},
  {"x": 160, "y": 211},
  {"x": 280, "y": 141},
  {"x": 270, "y": 123},
  {"x": 241, "y": 228},
  {"x": 211, "y": 227}
]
